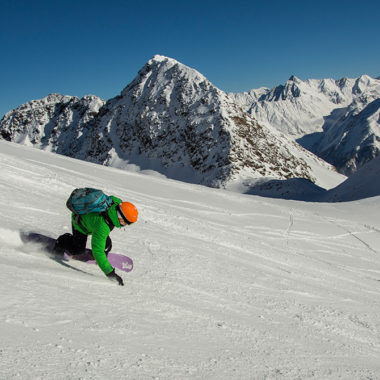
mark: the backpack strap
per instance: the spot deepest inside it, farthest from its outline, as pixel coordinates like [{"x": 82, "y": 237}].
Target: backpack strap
[
  {"x": 77, "y": 218},
  {"x": 108, "y": 220},
  {"x": 78, "y": 221}
]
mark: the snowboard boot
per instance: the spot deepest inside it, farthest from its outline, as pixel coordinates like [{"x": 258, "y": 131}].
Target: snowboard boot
[{"x": 61, "y": 244}]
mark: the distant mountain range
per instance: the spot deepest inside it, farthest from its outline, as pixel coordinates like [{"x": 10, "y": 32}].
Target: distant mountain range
[
  {"x": 336, "y": 119},
  {"x": 171, "y": 119}
]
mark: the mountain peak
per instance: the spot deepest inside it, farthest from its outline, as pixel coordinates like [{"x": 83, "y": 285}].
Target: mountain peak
[
  {"x": 160, "y": 58},
  {"x": 161, "y": 74},
  {"x": 293, "y": 78},
  {"x": 363, "y": 83}
]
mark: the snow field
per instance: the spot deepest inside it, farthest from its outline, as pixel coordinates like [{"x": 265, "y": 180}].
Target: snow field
[{"x": 224, "y": 286}]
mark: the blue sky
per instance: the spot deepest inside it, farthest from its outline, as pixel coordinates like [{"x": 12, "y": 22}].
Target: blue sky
[{"x": 97, "y": 47}]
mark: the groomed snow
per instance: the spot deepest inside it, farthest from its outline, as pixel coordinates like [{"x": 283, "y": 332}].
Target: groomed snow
[{"x": 225, "y": 286}]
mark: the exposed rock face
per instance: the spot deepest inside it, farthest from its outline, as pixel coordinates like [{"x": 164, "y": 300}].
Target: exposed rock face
[
  {"x": 57, "y": 123},
  {"x": 173, "y": 114}
]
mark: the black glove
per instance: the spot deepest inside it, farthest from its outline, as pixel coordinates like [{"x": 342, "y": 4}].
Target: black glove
[{"x": 114, "y": 277}]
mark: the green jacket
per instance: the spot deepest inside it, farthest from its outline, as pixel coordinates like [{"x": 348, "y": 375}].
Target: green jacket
[{"x": 94, "y": 224}]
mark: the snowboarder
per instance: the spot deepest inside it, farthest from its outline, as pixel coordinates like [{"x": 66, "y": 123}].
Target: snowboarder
[{"x": 99, "y": 225}]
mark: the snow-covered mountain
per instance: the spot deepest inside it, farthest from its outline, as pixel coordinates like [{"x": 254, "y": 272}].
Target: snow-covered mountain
[
  {"x": 300, "y": 107},
  {"x": 353, "y": 139},
  {"x": 173, "y": 120},
  {"x": 336, "y": 119},
  {"x": 57, "y": 123}
]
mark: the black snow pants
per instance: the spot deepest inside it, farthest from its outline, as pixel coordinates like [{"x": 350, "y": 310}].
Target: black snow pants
[{"x": 75, "y": 243}]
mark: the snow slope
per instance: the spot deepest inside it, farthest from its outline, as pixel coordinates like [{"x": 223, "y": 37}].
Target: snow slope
[
  {"x": 225, "y": 286},
  {"x": 362, "y": 184}
]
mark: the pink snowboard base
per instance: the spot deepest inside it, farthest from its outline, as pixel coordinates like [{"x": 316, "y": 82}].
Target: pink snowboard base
[{"x": 117, "y": 260}]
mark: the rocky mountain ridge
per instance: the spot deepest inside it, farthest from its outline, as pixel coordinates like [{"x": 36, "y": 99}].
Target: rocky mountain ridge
[
  {"x": 172, "y": 115},
  {"x": 171, "y": 119},
  {"x": 57, "y": 122}
]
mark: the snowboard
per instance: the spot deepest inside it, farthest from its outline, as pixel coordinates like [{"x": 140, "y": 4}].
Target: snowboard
[{"x": 47, "y": 243}]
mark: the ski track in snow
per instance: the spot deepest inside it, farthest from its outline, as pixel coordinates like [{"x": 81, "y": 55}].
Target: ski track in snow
[{"x": 224, "y": 286}]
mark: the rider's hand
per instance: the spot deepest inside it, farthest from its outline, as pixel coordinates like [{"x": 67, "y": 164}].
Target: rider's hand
[{"x": 114, "y": 277}]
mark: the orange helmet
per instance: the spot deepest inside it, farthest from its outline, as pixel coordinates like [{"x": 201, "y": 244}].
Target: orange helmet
[{"x": 127, "y": 212}]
